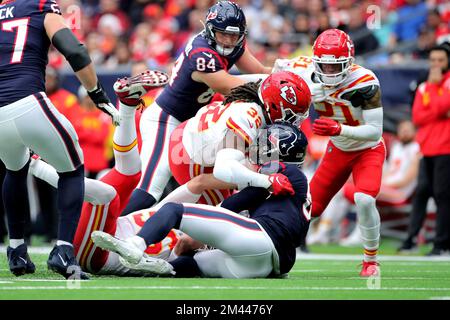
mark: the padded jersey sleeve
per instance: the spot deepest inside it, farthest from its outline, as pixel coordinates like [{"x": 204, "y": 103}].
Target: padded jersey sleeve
[
  {"x": 245, "y": 121},
  {"x": 206, "y": 60}
]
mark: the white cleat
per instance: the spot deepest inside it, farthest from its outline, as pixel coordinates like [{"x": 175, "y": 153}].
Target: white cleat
[
  {"x": 130, "y": 89},
  {"x": 124, "y": 248},
  {"x": 150, "y": 265},
  {"x": 354, "y": 239}
]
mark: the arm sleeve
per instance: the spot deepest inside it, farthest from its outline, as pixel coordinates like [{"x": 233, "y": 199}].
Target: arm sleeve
[
  {"x": 431, "y": 103},
  {"x": 229, "y": 168},
  {"x": 253, "y": 77},
  {"x": 250, "y": 197},
  {"x": 371, "y": 130}
]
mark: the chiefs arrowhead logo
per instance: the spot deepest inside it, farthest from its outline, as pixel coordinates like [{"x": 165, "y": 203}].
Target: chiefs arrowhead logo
[
  {"x": 211, "y": 15},
  {"x": 288, "y": 94}
]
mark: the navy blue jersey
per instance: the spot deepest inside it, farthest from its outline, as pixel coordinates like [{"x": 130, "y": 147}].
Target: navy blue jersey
[
  {"x": 183, "y": 97},
  {"x": 23, "y": 48},
  {"x": 284, "y": 218}
]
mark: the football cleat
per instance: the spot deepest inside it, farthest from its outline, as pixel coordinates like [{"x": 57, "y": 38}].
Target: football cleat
[
  {"x": 62, "y": 260},
  {"x": 370, "y": 268},
  {"x": 124, "y": 248},
  {"x": 130, "y": 90},
  {"x": 19, "y": 260},
  {"x": 150, "y": 265}
]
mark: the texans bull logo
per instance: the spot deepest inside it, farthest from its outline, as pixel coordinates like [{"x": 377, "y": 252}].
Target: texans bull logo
[
  {"x": 211, "y": 15},
  {"x": 283, "y": 141},
  {"x": 288, "y": 94}
]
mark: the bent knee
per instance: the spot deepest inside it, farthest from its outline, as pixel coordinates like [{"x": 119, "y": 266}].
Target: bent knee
[{"x": 363, "y": 200}]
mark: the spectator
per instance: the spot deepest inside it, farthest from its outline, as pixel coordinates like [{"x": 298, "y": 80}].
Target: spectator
[
  {"x": 121, "y": 57},
  {"x": 410, "y": 18},
  {"x": 65, "y": 101},
  {"x": 363, "y": 38},
  {"x": 94, "y": 131},
  {"x": 431, "y": 114},
  {"x": 426, "y": 41}
]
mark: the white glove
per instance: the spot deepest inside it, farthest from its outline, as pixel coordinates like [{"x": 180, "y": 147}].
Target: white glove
[
  {"x": 318, "y": 93},
  {"x": 112, "y": 111},
  {"x": 280, "y": 65}
]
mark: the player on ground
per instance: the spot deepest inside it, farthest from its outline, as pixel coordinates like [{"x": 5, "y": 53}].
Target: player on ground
[
  {"x": 105, "y": 198},
  {"x": 348, "y": 99},
  {"x": 222, "y": 131},
  {"x": 199, "y": 72},
  {"x": 30, "y": 121},
  {"x": 256, "y": 247}
]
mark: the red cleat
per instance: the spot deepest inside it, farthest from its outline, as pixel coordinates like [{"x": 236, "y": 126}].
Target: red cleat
[
  {"x": 130, "y": 90},
  {"x": 369, "y": 269}
]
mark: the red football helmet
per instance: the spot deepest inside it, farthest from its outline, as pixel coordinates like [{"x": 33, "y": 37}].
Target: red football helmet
[
  {"x": 286, "y": 97},
  {"x": 333, "y": 47}
]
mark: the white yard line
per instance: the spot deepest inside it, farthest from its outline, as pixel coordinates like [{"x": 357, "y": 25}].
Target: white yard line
[{"x": 8, "y": 288}]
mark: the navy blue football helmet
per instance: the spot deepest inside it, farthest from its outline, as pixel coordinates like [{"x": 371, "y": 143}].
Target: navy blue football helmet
[
  {"x": 226, "y": 17},
  {"x": 280, "y": 141}
]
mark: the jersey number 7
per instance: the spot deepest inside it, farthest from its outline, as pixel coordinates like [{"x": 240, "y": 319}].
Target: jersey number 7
[{"x": 21, "y": 36}]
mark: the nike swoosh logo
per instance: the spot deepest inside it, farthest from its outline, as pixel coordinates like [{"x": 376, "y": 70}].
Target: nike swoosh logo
[
  {"x": 209, "y": 55},
  {"x": 250, "y": 124},
  {"x": 24, "y": 260},
  {"x": 62, "y": 260}
]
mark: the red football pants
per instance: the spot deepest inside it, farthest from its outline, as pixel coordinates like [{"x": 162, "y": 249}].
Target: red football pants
[{"x": 365, "y": 165}]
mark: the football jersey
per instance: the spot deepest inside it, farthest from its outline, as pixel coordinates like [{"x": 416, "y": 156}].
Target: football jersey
[
  {"x": 128, "y": 226},
  {"x": 205, "y": 134},
  {"x": 183, "y": 96},
  {"x": 23, "y": 48},
  {"x": 336, "y": 106}
]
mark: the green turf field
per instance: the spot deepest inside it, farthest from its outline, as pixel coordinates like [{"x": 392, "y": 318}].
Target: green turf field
[{"x": 331, "y": 272}]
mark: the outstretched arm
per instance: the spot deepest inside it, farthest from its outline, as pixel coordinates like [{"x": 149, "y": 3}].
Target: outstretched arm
[{"x": 77, "y": 55}]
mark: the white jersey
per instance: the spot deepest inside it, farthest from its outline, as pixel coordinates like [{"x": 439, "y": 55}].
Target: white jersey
[
  {"x": 335, "y": 107},
  {"x": 205, "y": 134},
  {"x": 130, "y": 225},
  {"x": 399, "y": 163}
]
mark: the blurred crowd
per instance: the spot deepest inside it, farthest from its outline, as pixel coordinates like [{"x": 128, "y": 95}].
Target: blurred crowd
[{"x": 118, "y": 32}]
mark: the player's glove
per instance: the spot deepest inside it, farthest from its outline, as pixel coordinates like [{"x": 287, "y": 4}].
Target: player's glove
[
  {"x": 326, "y": 127},
  {"x": 101, "y": 100},
  {"x": 318, "y": 93},
  {"x": 281, "y": 184}
]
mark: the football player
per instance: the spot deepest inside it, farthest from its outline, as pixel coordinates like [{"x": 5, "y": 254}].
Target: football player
[
  {"x": 260, "y": 246},
  {"x": 105, "y": 198},
  {"x": 199, "y": 72},
  {"x": 222, "y": 132},
  {"x": 30, "y": 121},
  {"x": 348, "y": 99}
]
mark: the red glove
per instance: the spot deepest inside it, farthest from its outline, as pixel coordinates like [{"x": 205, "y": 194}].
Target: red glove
[
  {"x": 327, "y": 127},
  {"x": 281, "y": 184}
]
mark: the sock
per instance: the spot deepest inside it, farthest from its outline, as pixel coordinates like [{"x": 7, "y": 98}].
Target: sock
[
  {"x": 69, "y": 201},
  {"x": 63, "y": 243},
  {"x": 14, "y": 243},
  {"x": 185, "y": 267},
  {"x": 369, "y": 225},
  {"x": 159, "y": 225},
  {"x": 125, "y": 147},
  {"x": 139, "y": 200},
  {"x": 15, "y": 201},
  {"x": 44, "y": 171},
  {"x": 138, "y": 242},
  {"x": 182, "y": 194}
]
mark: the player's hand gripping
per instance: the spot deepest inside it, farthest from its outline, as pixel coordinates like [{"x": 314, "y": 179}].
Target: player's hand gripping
[
  {"x": 281, "y": 184},
  {"x": 101, "y": 100},
  {"x": 327, "y": 127}
]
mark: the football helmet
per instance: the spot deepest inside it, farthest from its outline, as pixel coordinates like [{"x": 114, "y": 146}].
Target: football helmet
[
  {"x": 226, "y": 17},
  {"x": 286, "y": 97},
  {"x": 333, "y": 47},
  {"x": 280, "y": 141}
]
